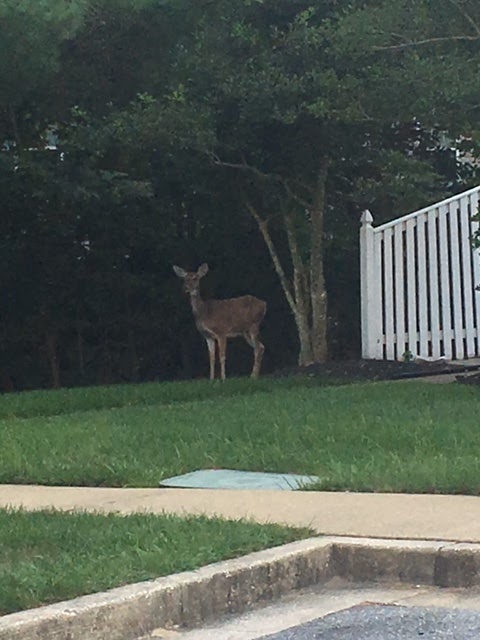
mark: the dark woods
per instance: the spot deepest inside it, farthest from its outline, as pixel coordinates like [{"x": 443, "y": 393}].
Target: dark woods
[{"x": 249, "y": 135}]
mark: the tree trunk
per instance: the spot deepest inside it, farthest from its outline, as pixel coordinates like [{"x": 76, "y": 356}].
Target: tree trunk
[
  {"x": 105, "y": 373},
  {"x": 132, "y": 348},
  {"x": 301, "y": 309},
  {"x": 306, "y": 355},
  {"x": 186, "y": 370},
  {"x": 305, "y": 291},
  {"x": 7, "y": 382},
  {"x": 14, "y": 123},
  {"x": 319, "y": 318},
  {"x": 80, "y": 348},
  {"x": 51, "y": 348},
  {"x": 318, "y": 292}
]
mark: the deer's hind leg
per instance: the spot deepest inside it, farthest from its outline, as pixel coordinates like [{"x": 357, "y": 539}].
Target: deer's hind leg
[
  {"x": 253, "y": 339},
  {"x": 222, "y": 352}
]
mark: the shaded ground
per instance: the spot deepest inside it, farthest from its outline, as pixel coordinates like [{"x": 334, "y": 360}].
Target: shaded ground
[
  {"x": 473, "y": 378},
  {"x": 372, "y": 370}
]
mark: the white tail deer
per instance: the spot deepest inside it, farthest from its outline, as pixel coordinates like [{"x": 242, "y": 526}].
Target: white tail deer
[{"x": 218, "y": 320}]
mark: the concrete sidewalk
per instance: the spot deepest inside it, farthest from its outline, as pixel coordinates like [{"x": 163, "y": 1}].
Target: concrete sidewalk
[{"x": 392, "y": 516}]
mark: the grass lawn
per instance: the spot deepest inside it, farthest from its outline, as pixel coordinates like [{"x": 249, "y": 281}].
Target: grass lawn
[
  {"x": 48, "y": 557},
  {"x": 411, "y": 437},
  {"x": 57, "y": 402}
]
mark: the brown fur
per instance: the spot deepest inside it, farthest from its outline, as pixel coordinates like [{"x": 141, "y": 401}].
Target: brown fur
[{"x": 218, "y": 320}]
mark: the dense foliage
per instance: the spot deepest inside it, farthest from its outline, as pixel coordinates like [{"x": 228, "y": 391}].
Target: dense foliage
[{"x": 248, "y": 134}]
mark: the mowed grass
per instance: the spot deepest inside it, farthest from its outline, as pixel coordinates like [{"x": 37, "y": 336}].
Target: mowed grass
[
  {"x": 400, "y": 437},
  {"x": 60, "y": 401},
  {"x": 47, "y": 557}
]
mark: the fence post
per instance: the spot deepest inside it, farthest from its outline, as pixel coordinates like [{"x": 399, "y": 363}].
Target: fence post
[{"x": 369, "y": 304}]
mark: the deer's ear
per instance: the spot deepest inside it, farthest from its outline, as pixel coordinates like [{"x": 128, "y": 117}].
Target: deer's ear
[
  {"x": 203, "y": 270},
  {"x": 181, "y": 273}
]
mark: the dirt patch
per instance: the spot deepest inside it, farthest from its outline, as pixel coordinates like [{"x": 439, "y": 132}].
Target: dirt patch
[{"x": 372, "y": 370}]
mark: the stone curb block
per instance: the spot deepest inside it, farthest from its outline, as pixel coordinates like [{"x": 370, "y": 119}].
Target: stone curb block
[
  {"x": 186, "y": 599},
  {"x": 436, "y": 564},
  {"x": 397, "y": 561},
  {"x": 193, "y": 598}
]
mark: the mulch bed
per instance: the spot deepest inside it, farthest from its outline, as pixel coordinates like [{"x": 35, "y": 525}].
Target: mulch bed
[
  {"x": 473, "y": 378},
  {"x": 373, "y": 370}
]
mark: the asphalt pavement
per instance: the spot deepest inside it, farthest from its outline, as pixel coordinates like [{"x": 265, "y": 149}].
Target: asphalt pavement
[
  {"x": 340, "y": 610},
  {"x": 388, "y": 623}
]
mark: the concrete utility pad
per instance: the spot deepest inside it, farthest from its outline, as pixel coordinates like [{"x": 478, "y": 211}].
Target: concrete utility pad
[{"x": 233, "y": 479}]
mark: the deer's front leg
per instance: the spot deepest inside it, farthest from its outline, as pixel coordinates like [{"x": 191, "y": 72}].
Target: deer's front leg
[
  {"x": 211, "y": 352},
  {"x": 222, "y": 351}
]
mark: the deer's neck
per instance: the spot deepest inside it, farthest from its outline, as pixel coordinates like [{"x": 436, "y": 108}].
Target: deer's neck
[{"x": 197, "y": 304}]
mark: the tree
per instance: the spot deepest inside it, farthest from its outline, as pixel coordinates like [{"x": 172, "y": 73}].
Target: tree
[
  {"x": 30, "y": 46},
  {"x": 291, "y": 93},
  {"x": 166, "y": 123},
  {"x": 75, "y": 214}
]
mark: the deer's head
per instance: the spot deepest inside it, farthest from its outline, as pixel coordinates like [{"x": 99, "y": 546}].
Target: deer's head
[{"x": 192, "y": 279}]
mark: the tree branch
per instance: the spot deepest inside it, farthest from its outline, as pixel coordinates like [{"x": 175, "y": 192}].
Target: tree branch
[
  {"x": 243, "y": 166},
  {"x": 294, "y": 196},
  {"x": 263, "y": 226},
  {"x": 467, "y": 16},
  {"x": 418, "y": 43}
]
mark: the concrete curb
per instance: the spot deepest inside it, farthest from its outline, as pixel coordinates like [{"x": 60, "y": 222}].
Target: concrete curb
[
  {"x": 193, "y": 598},
  {"x": 185, "y": 599},
  {"x": 439, "y": 564}
]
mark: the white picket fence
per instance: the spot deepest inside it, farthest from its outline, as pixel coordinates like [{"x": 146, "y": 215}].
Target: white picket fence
[{"x": 419, "y": 276}]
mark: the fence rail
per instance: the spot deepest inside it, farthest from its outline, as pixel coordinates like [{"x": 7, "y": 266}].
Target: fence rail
[{"x": 419, "y": 275}]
